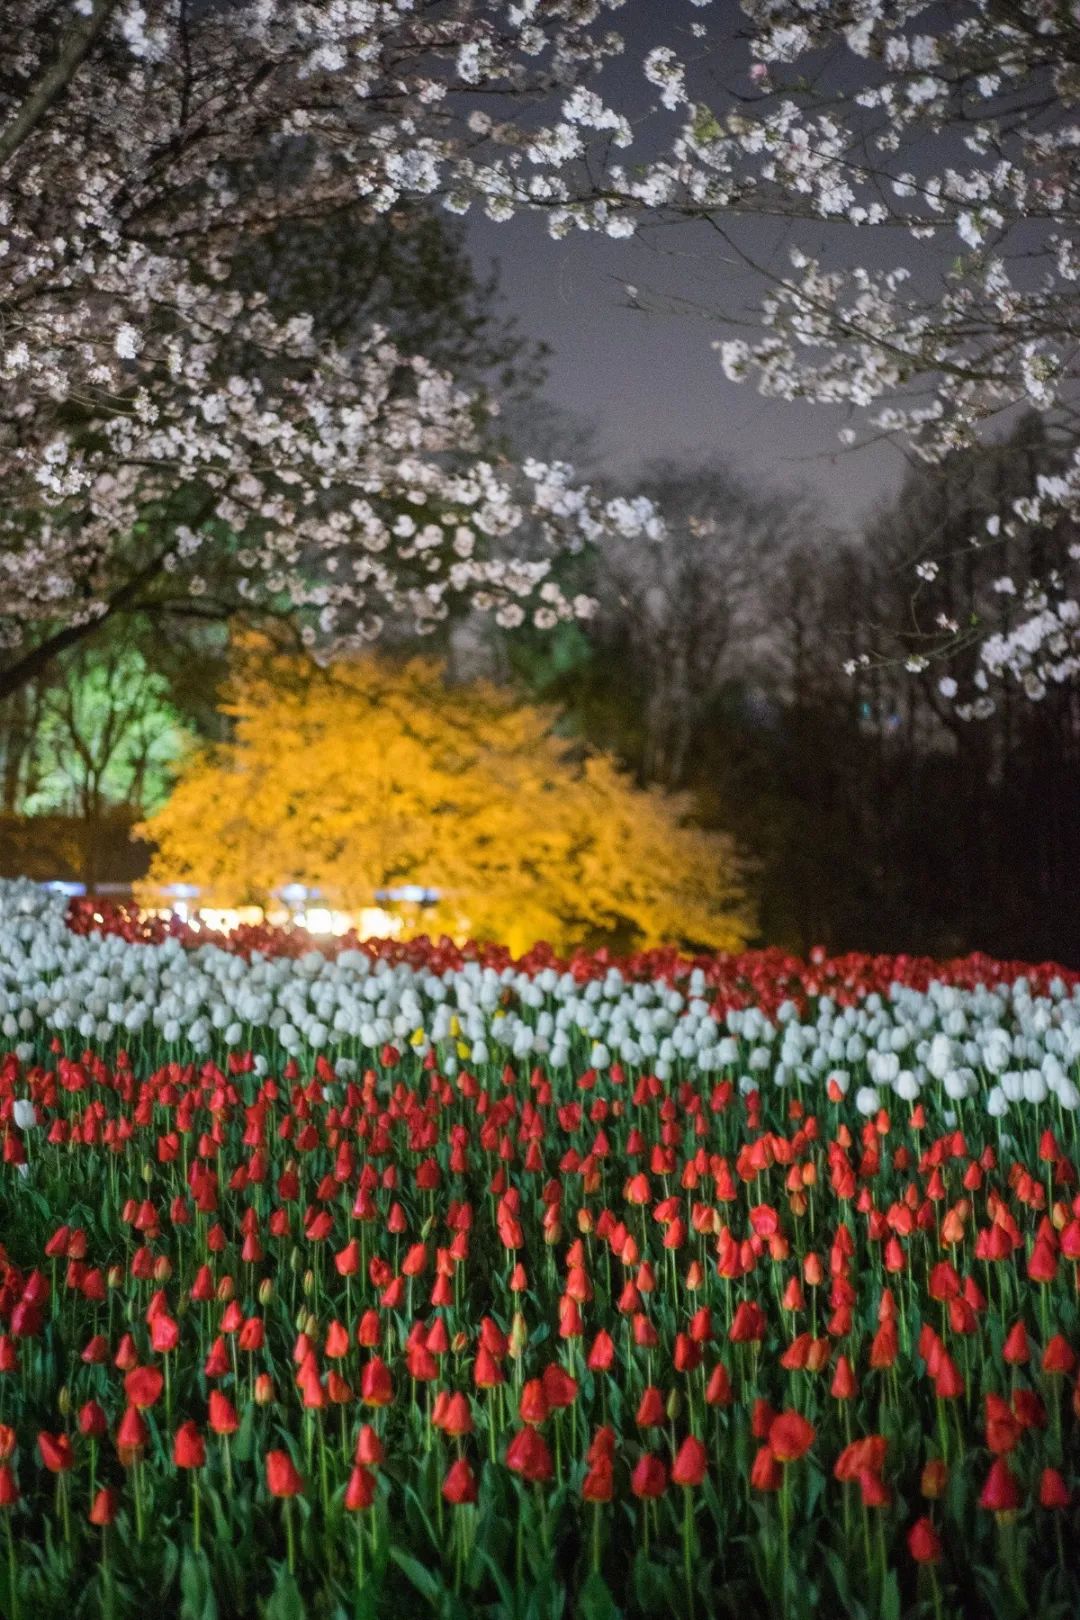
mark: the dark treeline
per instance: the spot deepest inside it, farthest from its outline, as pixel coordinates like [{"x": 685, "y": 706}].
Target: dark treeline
[{"x": 879, "y": 819}]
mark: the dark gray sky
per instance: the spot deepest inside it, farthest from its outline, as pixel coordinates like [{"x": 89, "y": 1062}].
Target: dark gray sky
[{"x": 647, "y": 379}]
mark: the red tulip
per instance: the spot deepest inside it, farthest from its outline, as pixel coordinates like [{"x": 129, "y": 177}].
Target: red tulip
[
  {"x": 369, "y": 1448},
  {"x": 602, "y": 1445},
  {"x": 282, "y": 1478},
  {"x": 1058, "y": 1357},
  {"x": 189, "y": 1447},
  {"x": 651, "y": 1412},
  {"x": 765, "y": 1472},
  {"x": 164, "y": 1333},
  {"x": 844, "y": 1386},
  {"x": 865, "y": 1455},
  {"x": 924, "y": 1543},
  {"x": 560, "y": 1389},
  {"x": 1015, "y": 1350},
  {"x": 1042, "y": 1262},
  {"x": 748, "y": 1323},
  {"x": 92, "y": 1421},
  {"x": 528, "y": 1455},
  {"x": 718, "y": 1390},
  {"x": 1053, "y": 1491},
  {"x": 874, "y": 1491},
  {"x": 602, "y": 1355},
  {"x": 790, "y": 1436},
  {"x": 599, "y": 1482},
  {"x": 459, "y": 1486},
  {"x": 360, "y": 1491},
  {"x": 1003, "y": 1428},
  {"x": 691, "y": 1463},
  {"x": 131, "y": 1436},
  {"x": 1001, "y": 1493},
  {"x": 533, "y": 1405},
  {"x": 457, "y": 1419},
  {"x": 223, "y": 1418},
  {"x": 105, "y": 1506},
  {"x": 649, "y": 1478},
  {"x": 376, "y": 1385},
  {"x": 9, "y": 1489},
  {"x": 56, "y": 1452},
  {"x": 143, "y": 1386}
]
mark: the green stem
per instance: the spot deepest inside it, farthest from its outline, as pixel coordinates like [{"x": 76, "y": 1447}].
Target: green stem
[
  {"x": 290, "y": 1541},
  {"x": 785, "y": 1513},
  {"x": 13, "y": 1587}
]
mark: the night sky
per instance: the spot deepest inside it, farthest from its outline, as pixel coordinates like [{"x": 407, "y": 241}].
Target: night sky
[{"x": 647, "y": 379}]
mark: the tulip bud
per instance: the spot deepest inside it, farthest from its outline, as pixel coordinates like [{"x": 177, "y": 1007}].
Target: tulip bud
[
  {"x": 459, "y": 1343},
  {"x": 301, "y": 1319},
  {"x": 309, "y": 1282},
  {"x": 266, "y": 1291},
  {"x": 63, "y": 1400},
  {"x": 519, "y": 1336},
  {"x": 426, "y": 1228},
  {"x": 162, "y": 1268},
  {"x": 311, "y": 1326},
  {"x": 264, "y": 1390},
  {"x": 673, "y": 1406},
  {"x": 114, "y": 1277},
  {"x": 584, "y": 1221},
  {"x": 225, "y": 1290},
  {"x": 296, "y": 1258},
  {"x": 147, "y": 1172}
]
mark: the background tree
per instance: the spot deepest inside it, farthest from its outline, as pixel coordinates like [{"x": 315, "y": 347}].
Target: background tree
[
  {"x": 676, "y": 616},
  {"x": 376, "y": 773},
  {"x": 880, "y": 811}
]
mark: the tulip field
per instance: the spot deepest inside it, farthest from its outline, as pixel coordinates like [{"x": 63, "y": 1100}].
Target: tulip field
[{"x": 409, "y": 1279}]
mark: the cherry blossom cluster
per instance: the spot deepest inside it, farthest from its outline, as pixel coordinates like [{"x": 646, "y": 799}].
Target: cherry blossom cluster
[
  {"x": 150, "y": 408},
  {"x": 950, "y": 140},
  {"x": 162, "y": 430}
]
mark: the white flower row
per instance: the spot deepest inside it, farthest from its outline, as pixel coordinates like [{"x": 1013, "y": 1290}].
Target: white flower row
[{"x": 1005, "y": 1045}]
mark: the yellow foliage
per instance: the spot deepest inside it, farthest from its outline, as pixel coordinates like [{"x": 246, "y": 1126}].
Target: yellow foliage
[{"x": 376, "y": 773}]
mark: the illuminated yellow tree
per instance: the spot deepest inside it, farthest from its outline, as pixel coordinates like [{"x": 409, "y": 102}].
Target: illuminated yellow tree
[{"x": 375, "y": 773}]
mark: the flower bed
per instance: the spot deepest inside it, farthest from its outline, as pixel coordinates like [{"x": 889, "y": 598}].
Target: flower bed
[{"x": 415, "y": 1279}]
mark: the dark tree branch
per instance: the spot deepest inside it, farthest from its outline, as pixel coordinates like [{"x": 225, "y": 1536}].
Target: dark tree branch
[
  {"x": 56, "y": 79},
  {"x": 40, "y": 657}
]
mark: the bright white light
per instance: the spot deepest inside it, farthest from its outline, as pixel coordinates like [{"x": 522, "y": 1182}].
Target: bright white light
[{"x": 378, "y": 924}]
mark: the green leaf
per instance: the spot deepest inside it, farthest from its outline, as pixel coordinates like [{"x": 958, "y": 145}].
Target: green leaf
[
  {"x": 650, "y": 1584},
  {"x": 595, "y": 1601},
  {"x": 890, "y": 1597},
  {"x": 285, "y": 1600},
  {"x": 197, "y": 1600},
  {"x": 243, "y": 1439},
  {"x": 418, "y": 1573}
]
